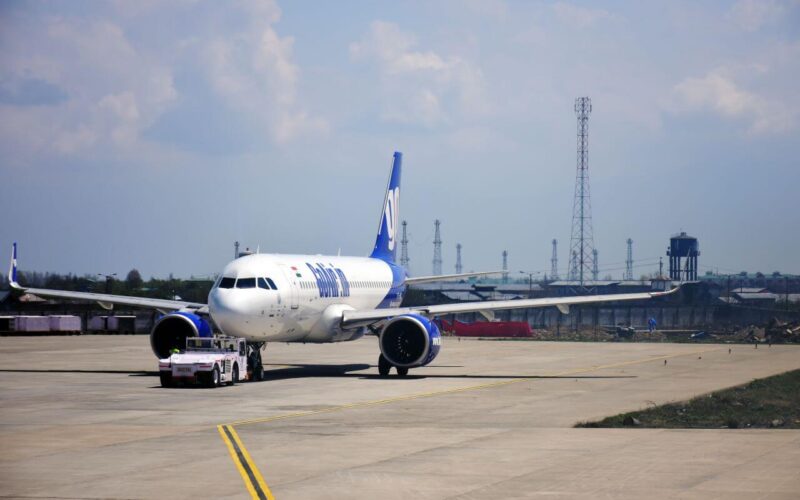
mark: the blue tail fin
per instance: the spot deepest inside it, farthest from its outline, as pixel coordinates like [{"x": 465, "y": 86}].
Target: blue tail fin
[
  {"x": 386, "y": 242},
  {"x": 12, "y": 269}
]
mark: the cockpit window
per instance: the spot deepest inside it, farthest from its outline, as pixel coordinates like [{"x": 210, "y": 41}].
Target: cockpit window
[
  {"x": 246, "y": 283},
  {"x": 271, "y": 284},
  {"x": 262, "y": 283},
  {"x": 227, "y": 282}
]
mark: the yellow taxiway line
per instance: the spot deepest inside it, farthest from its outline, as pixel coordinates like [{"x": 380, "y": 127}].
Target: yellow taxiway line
[
  {"x": 244, "y": 463},
  {"x": 258, "y": 487}
]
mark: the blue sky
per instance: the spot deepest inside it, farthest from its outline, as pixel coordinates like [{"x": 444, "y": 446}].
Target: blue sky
[{"x": 154, "y": 134}]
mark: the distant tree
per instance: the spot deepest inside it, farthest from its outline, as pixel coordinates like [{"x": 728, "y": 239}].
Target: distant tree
[{"x": 134, "y": 279}]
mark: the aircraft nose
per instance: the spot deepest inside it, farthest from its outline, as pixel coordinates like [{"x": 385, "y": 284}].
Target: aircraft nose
[{"x": 227, "y": 312}]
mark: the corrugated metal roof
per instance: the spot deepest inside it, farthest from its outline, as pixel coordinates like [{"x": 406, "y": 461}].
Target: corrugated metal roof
[
  {"x": 471, "y": 297},
  {"x": 518, "y": 287},
  {"x": 485, "y": 288},
  {"x": 585, "y": 283},
  {"x": 757, "y": 296},
  {"x": 443, "y": 286}
]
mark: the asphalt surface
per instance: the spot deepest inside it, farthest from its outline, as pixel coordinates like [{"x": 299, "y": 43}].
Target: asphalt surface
[{"x": 85, "y": 417}]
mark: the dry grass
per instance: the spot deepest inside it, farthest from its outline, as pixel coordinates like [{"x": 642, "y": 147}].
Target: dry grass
[{"x": 772, "y": 402}]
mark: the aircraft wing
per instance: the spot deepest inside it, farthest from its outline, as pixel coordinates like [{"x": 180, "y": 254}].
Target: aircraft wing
[
  {"x": 447, "y": 277},
  {"x": 352, "y": 319},
  {"x": 105, "y": 300}
]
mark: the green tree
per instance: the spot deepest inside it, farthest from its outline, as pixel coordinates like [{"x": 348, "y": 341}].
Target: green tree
[{"x": 134, "y": 279}]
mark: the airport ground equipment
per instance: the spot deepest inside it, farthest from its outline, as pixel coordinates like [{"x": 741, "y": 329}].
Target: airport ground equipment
[{"x": 208, "y": 361}]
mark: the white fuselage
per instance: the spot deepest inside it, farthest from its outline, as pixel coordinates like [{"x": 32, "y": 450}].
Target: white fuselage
[{"x": 300, "y": 298}]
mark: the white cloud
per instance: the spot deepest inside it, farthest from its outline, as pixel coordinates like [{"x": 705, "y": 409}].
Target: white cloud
[
  {"x": 751, "y": 15},
  {"x": 255, "y": 72},
  {"x": 719, "y": 93},
  {"x": 113, "y": 91},
  {"x": 580, "y": 17},
  {"x": 97, "y": 88},
  {"x": 420, "y": 86}
]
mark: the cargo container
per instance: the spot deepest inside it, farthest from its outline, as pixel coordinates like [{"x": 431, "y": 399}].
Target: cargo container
[
  {"x": 65, "y": 324},
  {"x": 487, "y": 328},
  {"x": 7, "y": 324},
  {"x": 112, "y": 324},
  {"x": 32, "y": 324}
]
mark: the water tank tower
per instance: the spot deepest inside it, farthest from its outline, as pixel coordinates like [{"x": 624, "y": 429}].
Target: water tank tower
[{"x": 683, "y": 252}]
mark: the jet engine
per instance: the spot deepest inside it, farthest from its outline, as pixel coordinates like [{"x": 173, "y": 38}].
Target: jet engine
[
  {"x": 172, "y": 330},
  {"x": 410, "y": 340}
]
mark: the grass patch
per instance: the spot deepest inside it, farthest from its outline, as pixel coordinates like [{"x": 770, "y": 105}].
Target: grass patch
[{"x": 772, "y": 402}]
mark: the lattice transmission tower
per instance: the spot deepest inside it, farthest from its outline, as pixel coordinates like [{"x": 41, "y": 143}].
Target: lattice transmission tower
[
  {"x": 404, "y": 247},
  {"x": 573, "y": 267},
  {"x": 554, "y": 262},
  {"x": 437, "y": 249},
  {"x": 505, "y": 266},
  {"x": 629, "y": 262},
  {"x": 458, "y": 258},
  {"x": 582, "y": 239},
  {"x": 595, "y": 270}
]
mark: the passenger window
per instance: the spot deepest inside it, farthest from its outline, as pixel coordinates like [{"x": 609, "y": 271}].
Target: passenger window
[
  {"x": 271, "y": 284},
  {"x": 262, "y": 283},
  {"x": 227, "y": 282},
  {"x": 246, "y": 283}
]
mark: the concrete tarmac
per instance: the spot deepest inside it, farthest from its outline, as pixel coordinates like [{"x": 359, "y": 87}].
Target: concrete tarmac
[{"x": 85, "y": 417}]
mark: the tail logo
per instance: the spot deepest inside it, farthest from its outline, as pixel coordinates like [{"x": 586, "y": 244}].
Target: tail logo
[{"x": 391, "y": 212}]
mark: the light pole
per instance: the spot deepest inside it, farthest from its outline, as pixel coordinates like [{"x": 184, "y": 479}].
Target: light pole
[
  {"x": 530, "y": 280},
  {"x": 108, "y": 278}
]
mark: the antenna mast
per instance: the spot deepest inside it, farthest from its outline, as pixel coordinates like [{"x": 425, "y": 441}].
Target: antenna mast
[
  {"x": 582, "y": 239},
  {"x": 629, "y": 262},
  {"x": 437, "y": 250},
  {"x": 404, "y": 248}
]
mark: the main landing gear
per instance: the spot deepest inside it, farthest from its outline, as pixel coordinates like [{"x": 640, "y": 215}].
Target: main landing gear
[
  {"x": 384, "y": 366},
  {"x": 254, "y": 364}
]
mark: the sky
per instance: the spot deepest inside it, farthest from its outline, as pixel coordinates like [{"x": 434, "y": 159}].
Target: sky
[{"x": 152, "y": 135}]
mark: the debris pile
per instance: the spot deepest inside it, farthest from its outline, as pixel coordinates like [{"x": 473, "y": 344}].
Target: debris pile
[{"x": 778, "y": 331}]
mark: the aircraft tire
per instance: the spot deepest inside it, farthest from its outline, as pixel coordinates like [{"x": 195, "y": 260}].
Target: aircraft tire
[
  {"x": 402, "y": 371},
  {"x": 383, "y": 366}
]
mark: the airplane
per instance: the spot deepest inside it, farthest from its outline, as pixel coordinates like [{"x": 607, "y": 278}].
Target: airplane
[{"x": 317, "y": 298}]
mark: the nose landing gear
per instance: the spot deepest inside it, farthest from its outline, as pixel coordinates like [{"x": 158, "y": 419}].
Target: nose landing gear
[{"x": 254, "y": 364}]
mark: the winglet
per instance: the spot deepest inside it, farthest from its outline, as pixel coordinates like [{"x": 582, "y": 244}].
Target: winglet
[
  {"x": 665, "y": 293},
  {"x": 12, "y": 270}
]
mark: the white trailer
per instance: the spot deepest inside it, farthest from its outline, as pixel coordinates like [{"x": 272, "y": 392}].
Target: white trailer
[{"x": 210, "y": 361}]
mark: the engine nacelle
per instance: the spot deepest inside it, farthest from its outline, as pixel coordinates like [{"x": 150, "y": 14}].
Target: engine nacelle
[
  {"x": 410, "y": 340},
  {"x": 172, "y": 330}
]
